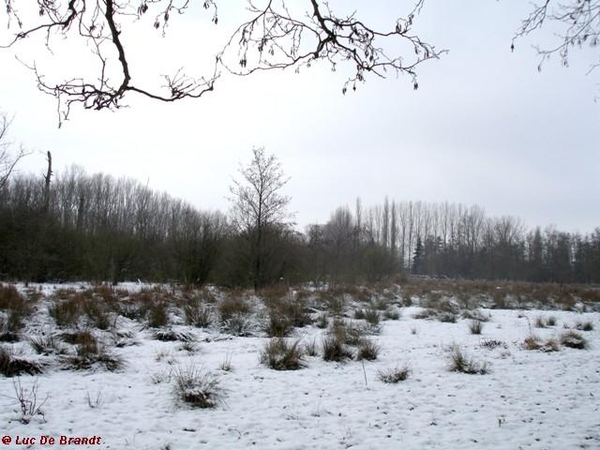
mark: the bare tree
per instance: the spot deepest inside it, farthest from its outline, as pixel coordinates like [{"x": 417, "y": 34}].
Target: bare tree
[
  {"x": 278, "y": 35},
  {"x": 259, "y": 209},
  {"x": 8, "y": 159},
  {"x": 577, "y": 22}
]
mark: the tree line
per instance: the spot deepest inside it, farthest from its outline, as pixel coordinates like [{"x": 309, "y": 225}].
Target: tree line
[{"x": 77, "y": 226}]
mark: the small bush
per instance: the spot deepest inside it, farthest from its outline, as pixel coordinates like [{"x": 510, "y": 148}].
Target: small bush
[
  {"x": 476, "y": 314},
  {"x": 392, "y": 314},
  {"x": 279, "y": 325},
  {"x": 196, "y": 387},
  {"x": 16, "y": 306},
  {"x": 347, "y": 333},
  {"x": 459, "y": 362},
  {"x": 10, "y": 366},
  {"x": 447, "y": 317},
  {"x": 198, "y": 316},
  {"x": 551, "y": 321},
  {"x": 47, "y": 345},
  {"x": 158, "y": 315},
  {"x": 66, "y": 312},
  {"x": 573, "y": 339},
  {"x": 395, "y": 375},
  {"x": 540, "y": 322},
  {"x": 533, "y": 342},
  {"x": 278, "y": 354},
  {"x": 90, "y": 352},
  {"x": 334, "y": 349},
  {"x": 232, "y": 306},
  {"x": 476, "y": 326},
  {"x": 588, "y": 325},
  {"x": 372, "y": 316},
  {"x": 234, "y": 312},
  {"x": 368, "y": 350}
]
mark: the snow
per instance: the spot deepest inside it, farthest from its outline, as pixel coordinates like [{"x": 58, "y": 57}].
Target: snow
[{"x": 528, "y": 400}]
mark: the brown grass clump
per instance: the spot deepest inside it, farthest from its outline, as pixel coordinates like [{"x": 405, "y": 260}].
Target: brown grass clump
[{"x": 279, "y": 354}]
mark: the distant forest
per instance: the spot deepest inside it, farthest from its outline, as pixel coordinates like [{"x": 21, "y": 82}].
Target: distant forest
[{"x": 99, "y": 228}]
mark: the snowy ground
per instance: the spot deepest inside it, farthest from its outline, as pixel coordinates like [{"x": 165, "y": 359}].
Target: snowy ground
[{"x": 528, "y": 400}]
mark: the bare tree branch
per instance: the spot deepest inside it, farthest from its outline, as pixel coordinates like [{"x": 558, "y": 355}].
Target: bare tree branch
[
  {"x": 578, "y": 21},
  {"x": 8, "y": 161},
  {"x": 274, "y": 38}
]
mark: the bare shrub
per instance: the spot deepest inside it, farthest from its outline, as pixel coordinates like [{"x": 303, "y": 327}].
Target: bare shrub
[
  {"x": 540, "y": 322},
  {"x": 394, "y": 375},
  {"x": 573, "y": 339},
  {"x": 29, "y": 403},
  {"x": 196, "y": 387},
  {"x": 278, "y": 354},
  {"x": 460, "y": 362},
  {"x": 551, "y": 321}
]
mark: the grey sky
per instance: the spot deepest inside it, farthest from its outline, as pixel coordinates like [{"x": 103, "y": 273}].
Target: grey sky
[{"x": 484, "y": 127}]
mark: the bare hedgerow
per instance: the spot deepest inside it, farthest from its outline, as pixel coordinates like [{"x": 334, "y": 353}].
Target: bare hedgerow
[
  {"x": 460, "y": 362},
  {"x": 278, "y": 354},
  {"x": 476, "y": 326},
  {"x": 395, "y": 375},
  {"x": 573, "y": 339},
  {"x": 196, "y": 387}
]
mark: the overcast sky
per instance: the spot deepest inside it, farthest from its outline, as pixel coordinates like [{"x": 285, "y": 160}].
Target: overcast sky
[{"x": 484, "y": 127}]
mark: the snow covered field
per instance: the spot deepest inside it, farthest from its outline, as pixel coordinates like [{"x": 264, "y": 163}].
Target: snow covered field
[{"x": 529, "y": 399}]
